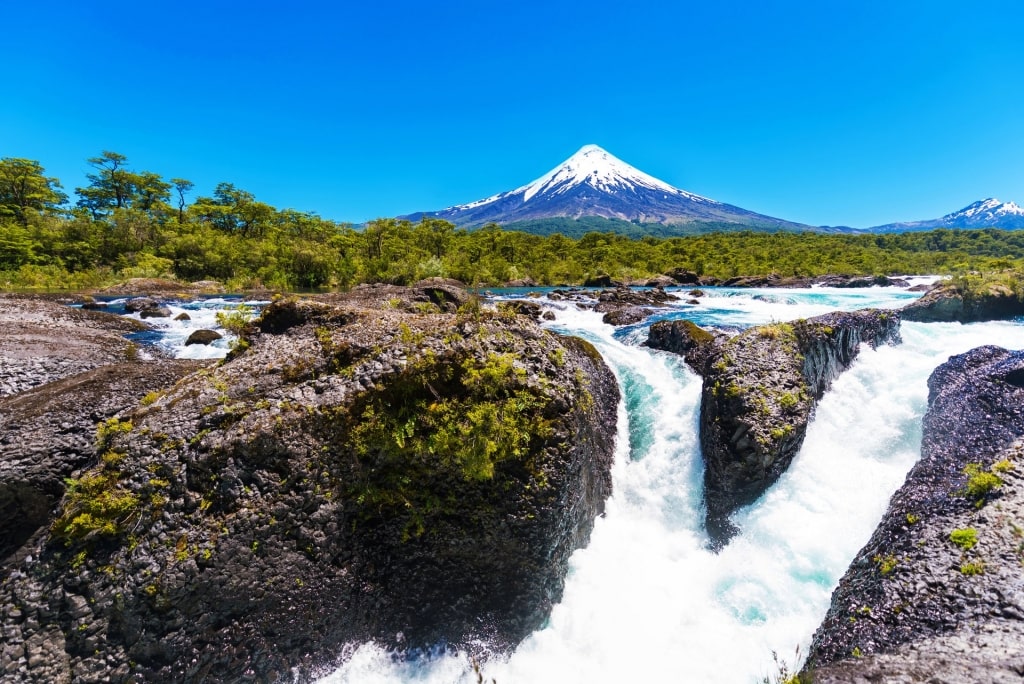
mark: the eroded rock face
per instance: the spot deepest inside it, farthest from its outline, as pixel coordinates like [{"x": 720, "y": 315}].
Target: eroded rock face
[
  {"x": 759, "y": 391},
  {"x": 355, "y": 474},
  {"x": 948, "y": 303},
  {"x": 939, "y": 585}
]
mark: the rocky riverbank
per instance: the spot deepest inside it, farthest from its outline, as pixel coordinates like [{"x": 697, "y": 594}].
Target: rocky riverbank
[
  {"x": 938, "y": 588},
  {"x": 362, "y": 467}
]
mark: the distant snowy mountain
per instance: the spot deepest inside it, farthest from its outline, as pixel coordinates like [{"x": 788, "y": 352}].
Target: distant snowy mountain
[
  {"x": 987, "y": 213},
  {"x": 592, "y": 183}
]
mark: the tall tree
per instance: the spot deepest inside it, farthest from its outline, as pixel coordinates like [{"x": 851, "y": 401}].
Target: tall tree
[
  {"x": 24, "y": 188},
  {"x": 111, "y": 187},
  {"x": 182, "y": 187}
]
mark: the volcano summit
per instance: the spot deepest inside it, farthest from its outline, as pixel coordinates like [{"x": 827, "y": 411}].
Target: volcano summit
[{"x": 594, "y": 183}]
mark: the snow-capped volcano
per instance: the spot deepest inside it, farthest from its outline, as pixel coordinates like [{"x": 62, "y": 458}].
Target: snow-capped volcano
[
  {"x": 593, "y": 182},
  {"x": 986, "y": 213}
]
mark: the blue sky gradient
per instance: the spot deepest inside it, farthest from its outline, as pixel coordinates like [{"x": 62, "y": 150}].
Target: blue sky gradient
[{"x": 839, "y": 113}]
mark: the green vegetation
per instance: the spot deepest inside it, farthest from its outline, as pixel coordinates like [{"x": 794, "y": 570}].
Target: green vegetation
[
  {"x": 886, "y": 564},
  {"x": 95, "y": 505},
  {"x": 965, "y": 538},
  {"x": 453, "y": 419},
  {"x": 981, "y": 483},
  {"x": 128, "y": 223},
  {"x": 970, "y": 568}
]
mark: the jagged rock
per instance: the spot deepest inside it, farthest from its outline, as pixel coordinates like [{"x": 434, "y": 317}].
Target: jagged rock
[
  {"x": 354, "y": 474},
  {"x": 770, "y": 280},
  {"x": 610, "y": 300},
  {"x": 687, "y": 339},
  {"x": 915, "y": 602},
  {"x": 47, "y": 435},
  {"x": 203, "y": 337},
  {"x": 548, "y": 315},
  {"x": 759, "y": 390},
  {"x": 524, "y": 308},
  {"x": 947, "y": 301},
  {"x": 627, "y": 316}
]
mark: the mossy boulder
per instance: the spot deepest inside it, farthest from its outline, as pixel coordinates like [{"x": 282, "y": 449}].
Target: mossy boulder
[
  {"x": 759, "y": 392},
  {"x": 968, "y": 299},
  {"x": 686, "y": 338},
  {"x": 350, "y": 474}
]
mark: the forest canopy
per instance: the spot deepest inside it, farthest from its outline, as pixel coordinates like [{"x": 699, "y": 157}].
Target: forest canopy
[{"x": 126, "y": 223}]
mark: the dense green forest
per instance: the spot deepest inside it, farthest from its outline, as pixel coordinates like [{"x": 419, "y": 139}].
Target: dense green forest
[{"x": 128, "y": 223}]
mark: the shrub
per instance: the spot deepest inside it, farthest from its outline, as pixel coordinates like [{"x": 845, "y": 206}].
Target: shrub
[{"x": 965, "y": 538}]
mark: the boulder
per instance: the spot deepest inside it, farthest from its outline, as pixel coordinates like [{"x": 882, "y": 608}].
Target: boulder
[
  {"x": 759, "y": 391},
  {"x": 203, "y": 337},
  {"x": 349, "y": 474},
  {"x": 140, "y": 304},
  {"x": 183, "y": 317},
  {"x": 628, "y": 316},
  {"x": 156, "y": 312},
  {"x": 687, "y": 339},
  {"x": 683, "y": 277},
  {"x": 601, "y": 281},
  {"x": 950, "y": 301},
  {"x": 660, "y": 281},
  {"x": 938, "y": 587},
  {"x": 523, "y": 308}
]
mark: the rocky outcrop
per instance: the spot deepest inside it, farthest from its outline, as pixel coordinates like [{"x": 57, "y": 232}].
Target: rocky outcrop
[
  {"x": 47, "y": 435},
  {"x": 45, "y": 340},
  {"x": 939, "y": 587},
  {"x": 625, "y": 306},
  {"x": 686, "y": 338},
  {"x": 351, "y": 473},
  {"x": 62, "y": 370},
  {"x": 759, "y": 391},
  {"x": 951, "y": 301},
  {"x": 861, "y": 281}
]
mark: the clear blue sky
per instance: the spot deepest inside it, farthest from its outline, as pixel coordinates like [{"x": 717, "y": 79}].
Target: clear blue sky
[{"x": 836, "y": 112}]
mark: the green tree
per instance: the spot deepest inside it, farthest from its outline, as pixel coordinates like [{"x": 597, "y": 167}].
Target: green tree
[
  {"x": 24, "y": 188},
  {"x": 110, "y": 187},
  {"x": 182, "y": 187}
]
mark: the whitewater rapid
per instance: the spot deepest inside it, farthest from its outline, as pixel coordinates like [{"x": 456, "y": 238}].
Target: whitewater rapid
[{"x": 646, "y": 600}]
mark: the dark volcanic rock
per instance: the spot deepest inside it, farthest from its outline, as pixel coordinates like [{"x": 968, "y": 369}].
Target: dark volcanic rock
[
  {"x": 355, "y": 474},
  {"x": 912, "y": 600},
  {"x": 687, "y": 339},
  {"x": 861, "y": 281},
  {"x": 627, "y": 316},
  {"x": 684, "y": 277},
  {"x": 759, "y": 391},
  {"x": 601, "y": 281},
  {"x": 624, "y": 305},
  {"x": 47, "y": 434},
  {"x": 203, "y": 337},
  {"x": 949, "y": 302}
]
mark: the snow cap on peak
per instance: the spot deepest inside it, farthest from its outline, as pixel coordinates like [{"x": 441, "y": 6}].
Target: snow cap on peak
[{"x": 596, "y": 167}]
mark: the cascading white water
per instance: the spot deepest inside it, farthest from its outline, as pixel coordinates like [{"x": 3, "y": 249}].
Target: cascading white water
[{"x": 646, "y": 600}]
